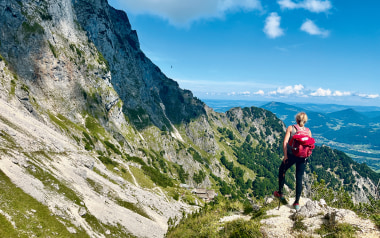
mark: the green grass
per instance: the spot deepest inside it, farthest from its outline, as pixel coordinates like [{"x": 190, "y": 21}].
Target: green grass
[
  {"x": 62, "y": 124},
  {"x": 96, "y": 186},
  {"x": 341, "y": 230},
  {"x": 7, "y": 229},
  {"x": 157, "y": 177},
  {"x": 127, "y": 176},
  {"x": 241, "y": 229},
  {"x": 205, "y": 223},
  {"x": 107, "y": 161},
  {"x": 53, "y": 50},
  {"x": 143, "y": 180},
  {"x": 69, "y": 123},
  {"x": 30, "y": 29},
  {"x": 102, "y": 60},
  {"x": 13, "y": 87},
  {"x": 53, "y": 183},
  {"x": 133, "y": 207},
  {"x": 8, "y": 138},
  {"x": 112, "y": 147},
  {"x": 32, "y": 218},
  {"x": 3, "y": 59},
  {"x": 298, "y": 224},
  {"x": 115, "y": 231},
  {"x": 94, "y": 127}
]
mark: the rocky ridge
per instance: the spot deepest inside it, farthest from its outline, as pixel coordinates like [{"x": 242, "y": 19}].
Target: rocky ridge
[{"x": 313, "y": 214}]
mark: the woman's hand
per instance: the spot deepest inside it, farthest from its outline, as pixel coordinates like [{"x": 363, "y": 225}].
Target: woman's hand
[{"x": 285, "y": 160}]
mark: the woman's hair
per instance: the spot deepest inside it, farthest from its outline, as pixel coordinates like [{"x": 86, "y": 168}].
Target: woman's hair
[{"x": 301, "y": 118}]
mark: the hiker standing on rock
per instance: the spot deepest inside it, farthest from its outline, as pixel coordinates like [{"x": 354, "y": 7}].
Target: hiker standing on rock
[{"x": 290, "y": 158}]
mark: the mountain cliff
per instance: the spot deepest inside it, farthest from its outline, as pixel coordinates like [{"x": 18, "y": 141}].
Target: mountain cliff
[{"x": 96, "y": 141}]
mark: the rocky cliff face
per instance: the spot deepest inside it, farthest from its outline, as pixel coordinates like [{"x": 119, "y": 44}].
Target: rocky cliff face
[
  {"x": 148, "y": 95},
  {"x": 95, "y": 135}
]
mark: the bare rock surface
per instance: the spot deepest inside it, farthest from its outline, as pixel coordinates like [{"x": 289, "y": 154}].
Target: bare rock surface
[
  {"x": 314, "y": 214},
  {"x": 69, "y": 164}
]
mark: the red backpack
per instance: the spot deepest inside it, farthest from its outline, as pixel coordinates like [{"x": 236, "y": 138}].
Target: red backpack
[{"x": 301, "y": 143}]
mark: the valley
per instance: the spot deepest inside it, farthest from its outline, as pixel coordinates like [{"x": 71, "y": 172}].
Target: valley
[{"x": 352, "y": 129}]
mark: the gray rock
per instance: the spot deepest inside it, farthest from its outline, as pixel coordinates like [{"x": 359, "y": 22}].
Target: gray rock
[
  {"x": 311, "y": 209},
  {"x": 256, "y": 207},
  {"x": 89, "y": 164},
  {"x": 82, "y": 211},
  {"x": 268, "y": 200},
  {"x": 72, "y": 230}
]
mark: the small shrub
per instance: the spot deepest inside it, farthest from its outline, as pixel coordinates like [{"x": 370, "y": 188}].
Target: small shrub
[
  {"x": 298, "y": 224},
  {"x": 376, "y": 220},
  {"x": 176, "y": 196},
  {"x": 106, "y": 160},
  {"x": 339, "y": 230},
  {"x": 25, "y": 88},
  {"x": 88, "y": 147},
  {"x": 13, "y": 87},
  {"x": 53, "y": 50},
  {"x": 112, "y": 147},
  {"x": 88, "y": 138},
  {"x": 241, "y": 229},
  {"x": 136, "y": 159},
  {"x": 133, "y": 207},
  {"x": 30, "y": 29},
  {"x": 248, "y": 208},
  {"x": 160, "y": 179}
]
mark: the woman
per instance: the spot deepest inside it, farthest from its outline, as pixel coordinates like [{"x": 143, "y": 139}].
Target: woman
[{"x": 290, "y": 159}]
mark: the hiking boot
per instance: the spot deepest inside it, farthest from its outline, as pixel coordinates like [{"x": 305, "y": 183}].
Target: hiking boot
[
  {"x": 281, "y": 197},
  {"x": 296, "y": 206}
]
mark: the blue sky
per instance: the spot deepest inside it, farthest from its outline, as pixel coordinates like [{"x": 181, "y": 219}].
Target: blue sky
[{"x": 324, "y": 51}]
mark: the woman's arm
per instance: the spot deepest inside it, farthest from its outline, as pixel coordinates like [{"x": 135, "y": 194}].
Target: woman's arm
[{"x": 285, "y": 143}]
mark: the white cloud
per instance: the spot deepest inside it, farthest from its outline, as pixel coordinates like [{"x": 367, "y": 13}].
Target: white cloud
[
  {"x": 245, "y": 93},
  {"x": 341, "y": 94},
  {"x": 272, "y": 93},
  {"x": 186, "y": 11},
  {"x": 327, "y": 92},
  {"x": 316, "y": 6},
  {"x": 272, "y": 26},
  {"x": 310, "y": 27},
  {"x": 288, "y": 4},
  {"x": 369, "y": 96},
  {"x": 260, "y": 92},
  {"x": 296, "y": 89},
  {"x": 321, "y": 92}
]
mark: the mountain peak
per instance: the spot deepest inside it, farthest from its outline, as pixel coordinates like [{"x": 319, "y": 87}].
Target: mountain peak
[{"x": 349, "y": 116}]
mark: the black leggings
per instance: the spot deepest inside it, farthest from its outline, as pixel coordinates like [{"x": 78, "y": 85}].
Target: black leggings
[{"x": 300, "y": 169}]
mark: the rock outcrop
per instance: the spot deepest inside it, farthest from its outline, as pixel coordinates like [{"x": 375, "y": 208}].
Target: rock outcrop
[{"x": 311, "y": 216}]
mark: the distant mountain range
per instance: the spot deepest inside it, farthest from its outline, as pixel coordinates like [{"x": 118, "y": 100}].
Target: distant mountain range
[
  {"x": 352, "y": 129},
  {"x": 349, "y": 130},
  {"x": 220, "y": 105}
]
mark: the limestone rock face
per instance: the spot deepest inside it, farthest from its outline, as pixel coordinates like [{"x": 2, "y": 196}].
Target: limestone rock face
[{"x": 148, "y": 95}]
